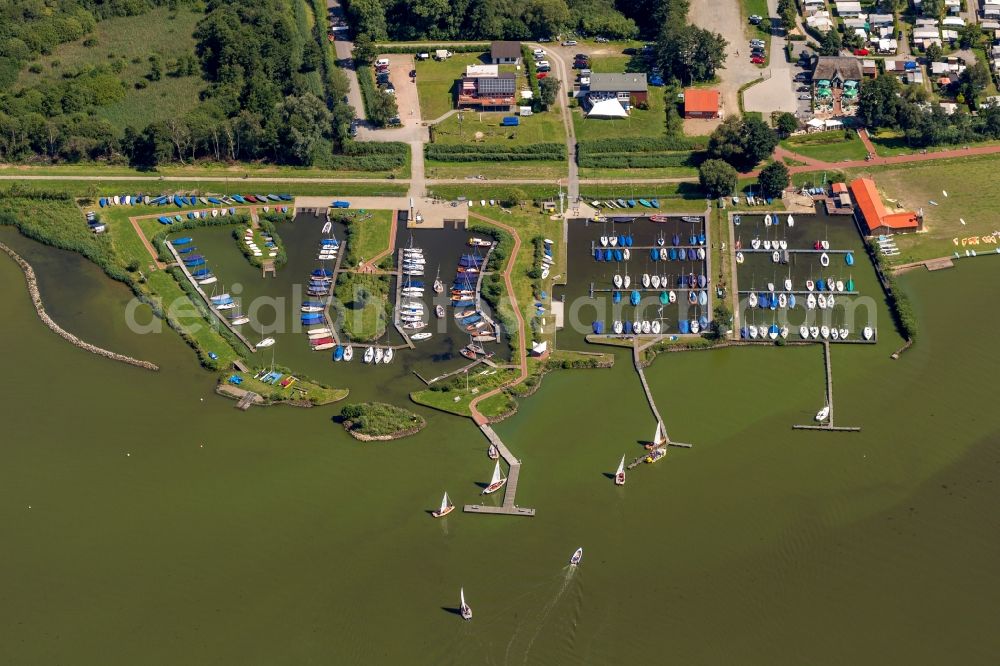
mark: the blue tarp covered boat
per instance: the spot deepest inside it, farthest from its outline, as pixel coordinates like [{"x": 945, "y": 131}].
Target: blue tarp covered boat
[
  {"x": 462, "y": 304},
  {"x": 200, "y": 273},
  {"x": 165, "y": 220},
  {"x": 672, "y": 254},
  {"x": 608, "y": 255},
  {"x": 618, "y": 255},
  {"x": 702, "y": 281},
  {"x": 185, "y": 250},
  {"x": 635, "y": 297},
  {"x": 103, "y": 202},
  {"x": 616, "y": 297},
  {"x": 472, "y": 319},
  {"x": 195, "y": 262},
  {"x": 322, "y": 272},
  {"x": 598, "y": 255},
  {"x": 598, "y": 327},
  {"x": 338, "y": 353},
  {"x": 682, "y": 254},
  {"x": 676, "y": 240},
  {"x": 683, "y": 326},
  {"x": 285, "y": 197},
  {"x": 654, "y": 254}
]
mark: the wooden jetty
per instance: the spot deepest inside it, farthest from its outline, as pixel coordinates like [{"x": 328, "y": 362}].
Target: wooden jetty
[
  {"x": 829, "y": 400},
  {"x": 464, "y": 368},
  {"x": 399, "y": 297},
  {"x": 328, "y": 301},
  {"x": 508, "y": 508},
  {"x": 636, "y": 349},
  {"x": 750, "y": 250},
  {"x": 247, "y": 400},
  {"x": 802, "y": 292},
  {"x": 208, "y": 301}
]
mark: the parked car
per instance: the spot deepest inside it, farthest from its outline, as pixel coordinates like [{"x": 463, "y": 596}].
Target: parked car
[
  {"x": 803, "y": 76},
  {"x": 584, "y": 81},
  {"x": 755, "y": 19},
  {"x": 757, "y": 42},
  {"x": 805, "y": 96},
  {"x": 538, "y": 53},
  {"x": 541, "y": 75},
  {"x": 395, "y": 121},
  {"x": 757, "y": 50},
  {"x": 757, "y": 60},
  {"x": 413, "y": 73},
  {"x": 382, "y": 62},
  {"x": 353, "y": 131},
  {"x": 861, "y": 52},
  {"x": 802, "y": 89},
  {"x": 601, "y": 40},
  {"x": 569, "y": 42}
]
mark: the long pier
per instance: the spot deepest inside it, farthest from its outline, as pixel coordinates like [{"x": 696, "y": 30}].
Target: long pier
[
  {"x": 636, "y": 349},
  {"x": 508, "y": 508},
  {"x": 341, "y": 253},
  {"x": 399, "y": 297},
  {"x": 208, "y": 301},
  {"x": 829, "y": 399},
  {"x": 750, "y": 250}
]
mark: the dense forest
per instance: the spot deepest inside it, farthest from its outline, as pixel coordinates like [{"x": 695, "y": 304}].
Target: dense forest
[{"x": 269, "y": 87}]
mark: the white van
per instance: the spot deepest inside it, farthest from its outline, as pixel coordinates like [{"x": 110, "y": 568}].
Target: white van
[{"x": 382, "y": 62}]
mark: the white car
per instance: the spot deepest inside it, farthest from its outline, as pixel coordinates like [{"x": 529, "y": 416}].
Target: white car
[
  {"x": 569, "y": 42},
  {"x": 543, "y": 63},
  {"x": 538, "y": 53}
]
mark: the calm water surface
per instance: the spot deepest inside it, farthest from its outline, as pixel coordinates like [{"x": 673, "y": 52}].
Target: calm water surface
[{"x": 166, "y": 527}]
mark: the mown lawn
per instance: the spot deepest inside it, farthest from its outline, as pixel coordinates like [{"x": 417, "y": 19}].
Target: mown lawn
[
  {"x": 485, "y": 128},
  {"x": 436, "y": 82},
  {"x": 649, "y": 122},
  {"x": 369, "y": 234},
  {"x": 98, "y": 188},
  {"x": 967, "y": 182},
  {"x": 609, "y": 64},
  {"x": 540, "y": 169},
  {"x": 131, "y": 40},
  {"x": 892, "y": 142},
  {"x": 833, "y": 146}
]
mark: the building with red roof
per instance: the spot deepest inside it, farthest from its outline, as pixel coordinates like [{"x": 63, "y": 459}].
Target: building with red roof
[
  {"x": 872, "y": 215},
  {"x": 701, "y": 103}
]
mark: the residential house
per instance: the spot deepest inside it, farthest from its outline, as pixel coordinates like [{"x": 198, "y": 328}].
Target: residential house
[
  {"x": 887, "y": 46},
  {"x": 505, "y": 53},
  {"x": 953, "y": 7},
  {"x": 848, "y": 8},
  {"x": 880, "y": 20},
  {"x": 868, "y": 67},
  {"x": 990, "y": 9},
  {"x": 811, "y": 7},
  {"x": 924, "y": 37},
  {"x": 628, "y": 89},
  {"x": 820, "y": 21},
  {"x": 953, "y": 22},
  {"x": 872, "y": 216},
  {"x": 484, "y": 87},
  {"x": 837, "y": 70}
]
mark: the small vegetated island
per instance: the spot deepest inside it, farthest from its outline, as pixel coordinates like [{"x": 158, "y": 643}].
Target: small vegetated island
[{"x": 378, "y": 421}]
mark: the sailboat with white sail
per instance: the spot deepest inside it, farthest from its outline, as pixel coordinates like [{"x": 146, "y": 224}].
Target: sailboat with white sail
[
  {"x": 446, "y": 507},
  {"x": 620, "y": 473},
  {"x": 497, "y": 482},
  {"x": 464, "y": 608}
]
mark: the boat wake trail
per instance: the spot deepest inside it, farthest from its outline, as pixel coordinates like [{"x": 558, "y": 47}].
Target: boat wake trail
[{"x": 547, "y": 610}]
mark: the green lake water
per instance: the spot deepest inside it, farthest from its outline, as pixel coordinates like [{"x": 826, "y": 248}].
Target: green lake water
[{"x": 146, "y": 521}]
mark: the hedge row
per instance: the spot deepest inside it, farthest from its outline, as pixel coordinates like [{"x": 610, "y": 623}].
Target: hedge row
[
  {"x": 375, "y": 148},
  {"x": 636, "y": 160},
  {"x": 367, "y": 163},
  {"x": 389, "y": 47},
  {"x": 634, "y": 145},
  {"x": 494, "y": 152}
]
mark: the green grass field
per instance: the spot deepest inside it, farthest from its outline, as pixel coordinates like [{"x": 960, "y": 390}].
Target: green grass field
[
  {"x": 833, "y": 146},
  {"x": 548, "y": 169},
  {"x": 94, "y": 189},
  {"x": 485, "y": 128},
  {"x": 370, "y": 235},
  {"x": 914, "y": 186},
  {"x": 608, "y": 64},
  {"x": 129, "y": 39},
  {"x": 650, "y": 122},
  {"x": 436, "y": 82}
]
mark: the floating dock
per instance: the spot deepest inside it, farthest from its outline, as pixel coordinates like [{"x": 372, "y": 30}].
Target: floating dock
[
  {"x": 341, "y": 252},
  {"x": 399, "y": 297},
  {"x": 508, "y": 508}
]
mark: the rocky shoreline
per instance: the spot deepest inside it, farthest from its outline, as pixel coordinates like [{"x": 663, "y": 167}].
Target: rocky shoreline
[{"x": 36, "y": 299}]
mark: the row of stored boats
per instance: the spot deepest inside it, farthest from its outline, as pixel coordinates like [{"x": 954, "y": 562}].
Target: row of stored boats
[
  {"x": 187, "y": 200},
  {"x": 824, "y": 332}
]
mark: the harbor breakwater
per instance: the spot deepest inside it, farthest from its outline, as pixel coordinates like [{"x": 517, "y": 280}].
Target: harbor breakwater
[{"x": 36, "y": 299}]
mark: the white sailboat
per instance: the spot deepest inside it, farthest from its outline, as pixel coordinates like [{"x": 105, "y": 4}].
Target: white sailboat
[
  {"x": 348, "y": 353},
  {"x": 823, "y": 414},
  {"x": 620, "y": 473},
  {"x": 464, "y": 608},
  {"x": 369, "y": 355},
  {"x": 446, "y": 507},
  {"x": 497, "y": 482},
  {"x": 387, "y": 356},
  {"x": 660, "y": 436},
  {"x": 791, "y": 220}
]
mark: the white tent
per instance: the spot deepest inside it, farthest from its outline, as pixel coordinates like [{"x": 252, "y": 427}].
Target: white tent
[
  {"x": 816, "y": 123},
  {"x": 607, "y": 108},
  {"x": 833, "y": 124}
]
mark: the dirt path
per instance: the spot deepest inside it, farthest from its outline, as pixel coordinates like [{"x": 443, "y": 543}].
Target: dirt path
[
  {"x": 522, "y": 348},
  {"x": 145, "y": 241},
  {"x": 726, "y": 18}
]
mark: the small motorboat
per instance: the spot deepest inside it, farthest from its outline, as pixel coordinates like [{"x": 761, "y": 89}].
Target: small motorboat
[
  {"x": 655, "y": 281},
  {"x": 810, "y": 285},
  {"x": 788, "y": 284},
  {"x": 824, "y": 331},
  {"x": 348, "y": 353},
  {"x": 656, "y": 327},
  {"x": 791, "y": 220},
  {"x": 266, "y": 342},
  {"x": 417, "y": 337},
  {"x": 645, "y": 281},
  {"x": 770, "y": 286},
  {"x": 767, "y": 220},
  {"x": 755, "y": 243},
  {"x": 821, "y": 301},
  {"x": 782, "y": 301},
  {"x": 825, "y": 244},
  {"x": 767, "y": 244},
  {"x": 868, "y": 333},
  {"x": 626, "y": 254},
  {"x": 814, "y": 332},
  {"x": 752, "y": 299},
  {"x": 695, "y": 326},
  {"x": 803, "y": 332},
  {"x": 604, "y": 241},
  {"x": 844, "y": 333},
  {"x": 739, "y": 257},
  {"x": 811, "y": 301},
  {"x": 776, "y": 257},
  {"x": 829, "y": 302},
  {"x": 783, "y": 244},
  {"x": 823, "y": 414},
  {"x": 387, "y": 356},
  {"x": 613, "y": 241},
  {"x": 753, "y": 332},
  {"x": 577, "y": 556},
  {"x": 617, "y": 327},
  {"x": 834, "y": 333},
  {"x": 840, "y": 285},
  {"x": 626, "y": 281},
  {"x": 618, "y": 281}
]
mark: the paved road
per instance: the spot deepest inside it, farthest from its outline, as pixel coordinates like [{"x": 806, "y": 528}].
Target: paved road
[
  {"x": 725, "y": 18},
  {"x": 345, "y": 51},
  {"x": 558, "y": 56}
]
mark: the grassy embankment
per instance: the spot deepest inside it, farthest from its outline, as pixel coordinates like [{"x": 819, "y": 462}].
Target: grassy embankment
[
  {"x": 832, "y": 146},
  {"x": 378, "y": 420},
  {"x": 367, "y": 234},
  {"x": 301, "y": 389}
]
